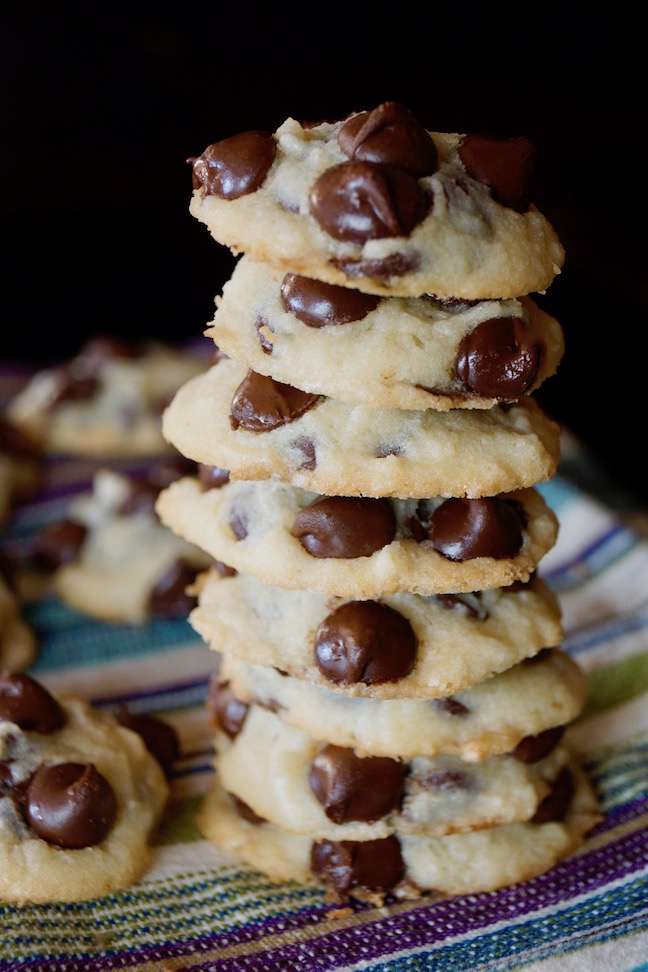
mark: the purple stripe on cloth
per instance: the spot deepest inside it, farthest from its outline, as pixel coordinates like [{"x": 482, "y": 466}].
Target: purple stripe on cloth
[{"x": 426, "y": 925}]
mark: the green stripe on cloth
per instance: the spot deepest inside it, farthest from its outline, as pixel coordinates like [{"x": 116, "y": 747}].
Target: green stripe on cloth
[{"x": 610, "y": 685}]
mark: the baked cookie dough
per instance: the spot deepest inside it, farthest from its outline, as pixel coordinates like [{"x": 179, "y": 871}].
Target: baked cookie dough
[
  {"x": 361, "y": 546},
  {"x": 299, "y": 783},
  {"x": 18, "y": 642},
  {"x": 402, "y": 646},
  {"x": 375, "y": 202},
  {"x": 408, "y": 865},
  {"x": 492, "y": 717},
  {"x": 80, "y": 797},
  {"x": 105, "y": 403},
  {"x": 258, "y": 428},
  {"x": 393, "y": 352},
  {"x": 118, "y": 562}
]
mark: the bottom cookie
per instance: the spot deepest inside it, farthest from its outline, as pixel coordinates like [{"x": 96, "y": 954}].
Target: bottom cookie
[{"x": 407, "y": 866}]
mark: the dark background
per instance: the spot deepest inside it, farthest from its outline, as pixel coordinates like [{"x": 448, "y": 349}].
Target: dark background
[{"x": 102, "y": 107}]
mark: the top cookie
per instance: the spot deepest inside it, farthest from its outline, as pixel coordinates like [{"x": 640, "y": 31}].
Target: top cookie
[{"x": 378, "y": 203}]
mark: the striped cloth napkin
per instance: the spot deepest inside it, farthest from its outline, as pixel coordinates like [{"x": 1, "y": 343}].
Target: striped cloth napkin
[{"x": 197, "y": 909}]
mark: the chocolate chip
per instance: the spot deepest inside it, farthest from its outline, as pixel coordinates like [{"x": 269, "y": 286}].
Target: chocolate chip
[
  {"x": 533, "y": 748},
  {"x": 317, "y": 304},
  {"x": 168, "y": 597},
  {"x": 238, "y": 522},
  {"x": 376, "y": 865},
  {"x": 365, "y": 641},
  {"x": 68, "y": 387},
  {"x": 71, "y": 805},
  {"x": 469, "y": 603},
  {"x": 394, "y": 265},
  {"x": 506, "y": 165},
  {"x": 461, "y": 529},
  {"x": 261, "y": 404},
  {"x": 359, "y": 201},
  {"x": 226, "y": 710},
  {"x": 351, "y": 787},
  {"x": 390, "y": 134},
  {"x": 159, "y": 737},
  {"x": 211, "y": 477},
  {"x": 446, "y": 780},
  {"x": 382, "y": 451},
  {"x": 224, "y": 569},
  {"x": 261, "y": 326},
  {"x": 58, "y": 544},
  {"x": 235, "y": 166},
  {"x": 244, "y": 810},
  {"x": 307, "y": 447},
  {"x": 556, "y": 803},
  {"x": 452, "y": 706},
  {"x": 497, "y": 359},
  {"x": 28, "y": 704},
  {"x": 345, "y": 526}
]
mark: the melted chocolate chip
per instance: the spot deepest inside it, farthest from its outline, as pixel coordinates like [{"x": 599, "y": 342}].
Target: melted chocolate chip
[
  {"x": 71, "y": 805},
  {"x": 394, "y": 265},
  {"x": 261, "y": 404},
  {"x": 390, "y": 134},
  {"x": 159, "y": 737},
  {"x": 307, "y": 447},
  {"x": 497, "y": 360},
  {"x": 446, "y": 780},
  {"x": 556, "y": 804},
  {"x": 506, "y": 165},
  {"x": 262, "y": 326},
  {"x": 365, "y": 641},
  {"x": 169, "y": 597},
  {"x": 58, "y": 544},
  {"x": 317, "y": 304},
  {"x": 211, "y": 477},
  {"x": 533, "y": 748},
  {"x": 359, "y": 201},
  {"x": 450, "y": 705},
  {"x": 235, "y": 166},
  {"x": 376, "y": 865},
  {"x": 244, "y": 809},
  {"x": 238, "y": 522},
  {"x": 224, "y": 569},
  {"x": 345, "y": 526},
  {"x": 461, "y": 529},
  {"x": 227, "y": 711},
  {"x": 450, "y": 303},
  {"x": 28, "y": 704},
  {"x": 468, "y": 603},
  {"x": 351, "y": 787}
]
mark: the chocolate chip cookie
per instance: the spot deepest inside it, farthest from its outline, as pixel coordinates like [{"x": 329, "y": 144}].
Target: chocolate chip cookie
[
  {"x": 80, "y": 797},
  {"x": 260, "y": 428},
  {"x": 378, "y": 203},
  {"x": 395, "y": 352}
]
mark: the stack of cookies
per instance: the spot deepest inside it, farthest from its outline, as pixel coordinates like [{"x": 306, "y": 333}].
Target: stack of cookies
[{"x": 391, "y": 698}]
